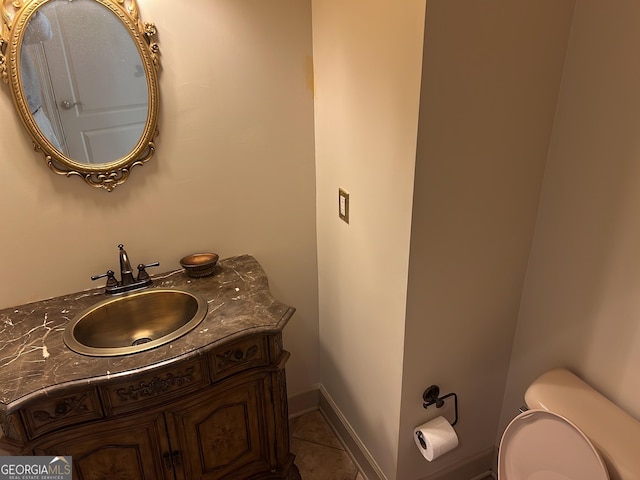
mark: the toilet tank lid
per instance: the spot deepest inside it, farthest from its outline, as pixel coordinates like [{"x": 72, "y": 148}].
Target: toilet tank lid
[{"x": 615, "y": 433}]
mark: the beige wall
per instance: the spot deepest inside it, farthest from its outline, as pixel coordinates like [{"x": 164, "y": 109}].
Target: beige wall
[
  {"x": 580, "y": 304},
  {"x": 491, "y": 77},
  {"x": 234, "y": 170},
  {"x": 367, "y": 58},
  {"x": 235, "y": 173}
]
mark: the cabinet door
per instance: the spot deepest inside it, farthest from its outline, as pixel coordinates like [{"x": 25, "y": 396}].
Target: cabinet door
[
  {"x": 222, "y": 433},
  {"x": 123, "y": 449}
]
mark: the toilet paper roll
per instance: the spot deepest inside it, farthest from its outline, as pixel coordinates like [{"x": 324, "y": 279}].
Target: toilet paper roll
[{"x": 435, "y": 438}]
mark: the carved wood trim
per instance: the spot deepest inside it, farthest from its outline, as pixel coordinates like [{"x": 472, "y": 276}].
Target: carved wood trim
[
  {"x": 148, "y": 388},
  {"x": 157, "y": 386},
  {"x": 10, "y": 427},
  {"x": 68, "y": 406},
  {"x": 240, "y": 355},
  {"x": 57, "y": 412},
  {"x": 236, "y": 356}
]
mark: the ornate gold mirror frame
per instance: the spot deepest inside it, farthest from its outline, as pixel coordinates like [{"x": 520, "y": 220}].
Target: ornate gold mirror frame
[{"x": 16, "y": 15}]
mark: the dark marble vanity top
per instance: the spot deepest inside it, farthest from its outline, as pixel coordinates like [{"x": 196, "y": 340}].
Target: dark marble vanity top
[{"x": 35, "y": 361}]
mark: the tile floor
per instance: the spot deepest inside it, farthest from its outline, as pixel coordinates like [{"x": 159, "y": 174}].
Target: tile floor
[{"x": 319, "y": 453}]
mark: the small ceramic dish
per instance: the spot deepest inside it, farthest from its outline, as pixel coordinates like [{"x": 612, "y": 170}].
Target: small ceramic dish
[{"x": 199, "y": 264}]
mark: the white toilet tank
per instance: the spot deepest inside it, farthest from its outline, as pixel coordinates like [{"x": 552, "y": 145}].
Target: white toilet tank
[{"x": 614, "y": 433}]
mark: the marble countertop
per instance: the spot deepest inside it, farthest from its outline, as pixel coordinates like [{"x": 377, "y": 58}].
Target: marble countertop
[{"x": 34, "y": 359}]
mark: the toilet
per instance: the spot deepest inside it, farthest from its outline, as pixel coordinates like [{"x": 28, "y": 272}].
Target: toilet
[
  {"x": 542, "y": 445},
  {"x": 570, "y": 432}
]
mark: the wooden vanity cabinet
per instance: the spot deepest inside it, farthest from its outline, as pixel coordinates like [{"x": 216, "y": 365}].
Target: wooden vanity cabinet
[
  {"x": 128, "y": 448},
  {"x": 217, "y": 436},
  {"x": 222, "y": 415}
]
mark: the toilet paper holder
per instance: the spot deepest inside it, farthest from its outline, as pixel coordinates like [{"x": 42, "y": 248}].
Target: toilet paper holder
[{"x": 431, "y": 396}]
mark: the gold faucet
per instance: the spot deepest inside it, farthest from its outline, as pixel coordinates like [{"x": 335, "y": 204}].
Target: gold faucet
[{"x": 128, "y": 282}]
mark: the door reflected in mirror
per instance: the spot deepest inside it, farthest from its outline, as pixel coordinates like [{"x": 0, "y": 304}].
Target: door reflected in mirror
[
  {"x": 84, "y": 81},
  {"x": 83, "y": 75}
]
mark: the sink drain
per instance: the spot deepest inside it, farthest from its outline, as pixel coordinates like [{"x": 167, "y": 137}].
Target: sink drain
[{"x": 140, "y": 341}]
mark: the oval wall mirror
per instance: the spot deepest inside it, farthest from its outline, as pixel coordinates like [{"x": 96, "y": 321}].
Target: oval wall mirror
[{"x": 83, "y": 77}]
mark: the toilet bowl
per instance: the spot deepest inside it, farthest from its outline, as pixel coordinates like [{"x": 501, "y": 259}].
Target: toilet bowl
[
  {"x": 542, "y": 445},
  {"x": 570, "y": 432}
]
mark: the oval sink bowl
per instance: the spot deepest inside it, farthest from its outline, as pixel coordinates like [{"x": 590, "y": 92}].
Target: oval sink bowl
[{"x": 134, "y": 322}]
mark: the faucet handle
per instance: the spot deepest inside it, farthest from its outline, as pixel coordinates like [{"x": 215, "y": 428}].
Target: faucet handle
[
  {"x": 142, "y": 273},
  {"x": 111, "y": 278}
]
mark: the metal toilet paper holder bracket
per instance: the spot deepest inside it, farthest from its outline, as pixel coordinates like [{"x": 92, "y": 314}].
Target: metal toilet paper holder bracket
[{"x": 431, "y": 396}]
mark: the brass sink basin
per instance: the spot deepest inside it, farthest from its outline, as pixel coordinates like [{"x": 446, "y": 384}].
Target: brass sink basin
[{"x": 134, "y": 322}]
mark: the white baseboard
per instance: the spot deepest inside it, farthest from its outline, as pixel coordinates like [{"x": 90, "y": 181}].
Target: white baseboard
[
  {"x": 317, "y": 398},
  {"x": 484, "y": 475},
  {"x": 304, "y": 402},
  {"x": 364, "y": 461},
  {"x": 470, "y": 468}
]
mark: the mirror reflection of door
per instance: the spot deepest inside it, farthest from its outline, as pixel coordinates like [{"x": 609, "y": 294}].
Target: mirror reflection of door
[{"x": 93, "y": 87}]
